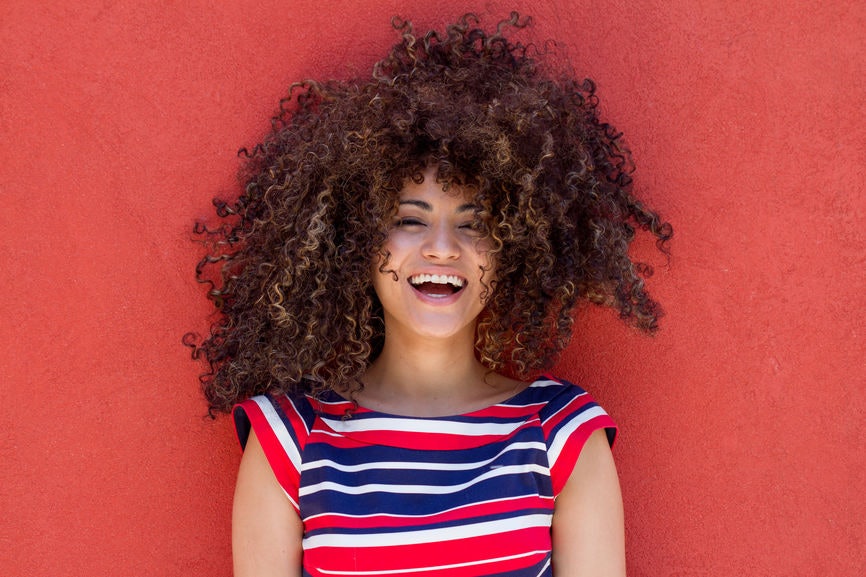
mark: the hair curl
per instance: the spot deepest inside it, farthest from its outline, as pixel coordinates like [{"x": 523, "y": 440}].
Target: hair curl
[{"x": 289, "y": 268}]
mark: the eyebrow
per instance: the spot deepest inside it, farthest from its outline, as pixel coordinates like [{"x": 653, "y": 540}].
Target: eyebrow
[{"x": 427, "y": 207}]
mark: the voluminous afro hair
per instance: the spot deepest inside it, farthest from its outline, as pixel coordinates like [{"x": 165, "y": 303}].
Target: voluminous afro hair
[{"x": 289, "y": 269}]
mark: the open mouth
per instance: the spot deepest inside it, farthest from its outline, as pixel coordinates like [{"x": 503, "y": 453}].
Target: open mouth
[{"x": 437, "y": 285}]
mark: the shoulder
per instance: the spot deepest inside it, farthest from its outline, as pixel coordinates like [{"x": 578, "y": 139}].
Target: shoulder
[
  {"x": 280, "y": 426},
  {"x": 562, "y": 399},
  {"x": 287, "y": 419},
  {"x": 569, "y": 416}
]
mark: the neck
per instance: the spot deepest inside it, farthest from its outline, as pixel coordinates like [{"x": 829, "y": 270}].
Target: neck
[
  {"x": 427, "y": 362},
  {"x": 429, "y": 377}
]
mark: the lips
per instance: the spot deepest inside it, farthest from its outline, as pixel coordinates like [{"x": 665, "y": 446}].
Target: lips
[{"x": 436, "y": 285}]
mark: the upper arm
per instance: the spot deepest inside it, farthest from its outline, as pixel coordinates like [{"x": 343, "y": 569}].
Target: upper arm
[
  {"x": 588, "y": 531},
  {"x": 266, "y": 529}
]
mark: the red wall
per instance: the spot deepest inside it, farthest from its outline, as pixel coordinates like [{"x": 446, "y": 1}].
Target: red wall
[{"x": 743, "y": 422}]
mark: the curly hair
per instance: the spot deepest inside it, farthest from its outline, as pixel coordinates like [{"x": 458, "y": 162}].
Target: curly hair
[{"x": 289, "y": 267}]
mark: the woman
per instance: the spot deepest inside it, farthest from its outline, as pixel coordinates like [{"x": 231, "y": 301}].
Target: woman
[{"x": 403, "y": 264}]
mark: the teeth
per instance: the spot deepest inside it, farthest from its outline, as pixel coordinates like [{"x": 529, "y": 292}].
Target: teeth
[{"x": 437, "y": 279}]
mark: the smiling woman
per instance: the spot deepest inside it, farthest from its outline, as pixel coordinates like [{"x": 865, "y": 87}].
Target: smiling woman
[
  {"x": 431, "y": 279},
  {"x": 403, "y": 263}
]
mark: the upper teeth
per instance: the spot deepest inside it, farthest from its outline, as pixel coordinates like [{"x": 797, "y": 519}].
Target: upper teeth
[{"x": 437, "y": 279}]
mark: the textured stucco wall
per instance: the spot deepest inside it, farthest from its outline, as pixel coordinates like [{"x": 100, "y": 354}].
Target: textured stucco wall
[{"x": 743, "y": 422}]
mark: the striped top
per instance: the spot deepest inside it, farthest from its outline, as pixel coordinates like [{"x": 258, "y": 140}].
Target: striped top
[{"x": 458, "y": 496}]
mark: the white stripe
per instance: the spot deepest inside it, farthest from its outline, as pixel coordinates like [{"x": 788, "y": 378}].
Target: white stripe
[
  {"x": 327, "y": 403},
  {"x": 327, "y": 433},
  {"x": 443, "y": 567},
  {"x": 426, "y": 536},
  {"x": 280, "y": 430},
  {"x": 545, "y": 383},
  {"x": 398, "y": 425},
  {"x": 420, "y": 466},
  {"x": 570, "y": 427},
  {"x": 421, "y": 489},
  {"x": 564, "y": 408},
  {"x": 434, "y": 514}
]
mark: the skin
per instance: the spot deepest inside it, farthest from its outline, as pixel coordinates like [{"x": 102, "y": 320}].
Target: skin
[
  {"x": 428, "y": 368},
  {"x": 266, "y": 530},
  {"x": 588, "y": 529}
]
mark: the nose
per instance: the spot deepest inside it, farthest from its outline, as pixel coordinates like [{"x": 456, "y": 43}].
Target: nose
[{"x": 441, "y": 243}]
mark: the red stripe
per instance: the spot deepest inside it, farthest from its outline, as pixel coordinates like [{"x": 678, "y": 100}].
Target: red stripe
[
  {"x": 436, "y": 554},
  {"x": 287, "y": 476},
  {"x": 566, "y": 412},
  {"x": 419, "y": 440},
  {"x": 561, "y": 470},
  {"x": 473, "y": 511},
  {"x": 296, "y": 422}
]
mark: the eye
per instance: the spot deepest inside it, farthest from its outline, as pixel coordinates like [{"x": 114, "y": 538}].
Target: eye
[
  {"x": 407, "y": 221},
  {"x": 476, "y": 226}
]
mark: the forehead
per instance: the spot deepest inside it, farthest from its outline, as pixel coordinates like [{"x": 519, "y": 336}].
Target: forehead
[{"x": 430, "y": 191}]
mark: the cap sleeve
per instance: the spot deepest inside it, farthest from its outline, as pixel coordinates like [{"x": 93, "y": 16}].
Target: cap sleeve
[
  {"x": 282, "y": 426},
  {"x": 568, "y": 419}
]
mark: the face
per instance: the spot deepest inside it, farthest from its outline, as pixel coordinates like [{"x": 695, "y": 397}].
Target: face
[{"x": 432, "y": 282}]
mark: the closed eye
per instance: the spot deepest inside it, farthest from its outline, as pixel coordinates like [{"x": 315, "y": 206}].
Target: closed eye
[
  {"x": 408, "y": 221},
  {"x": 476, "y": 227}
]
